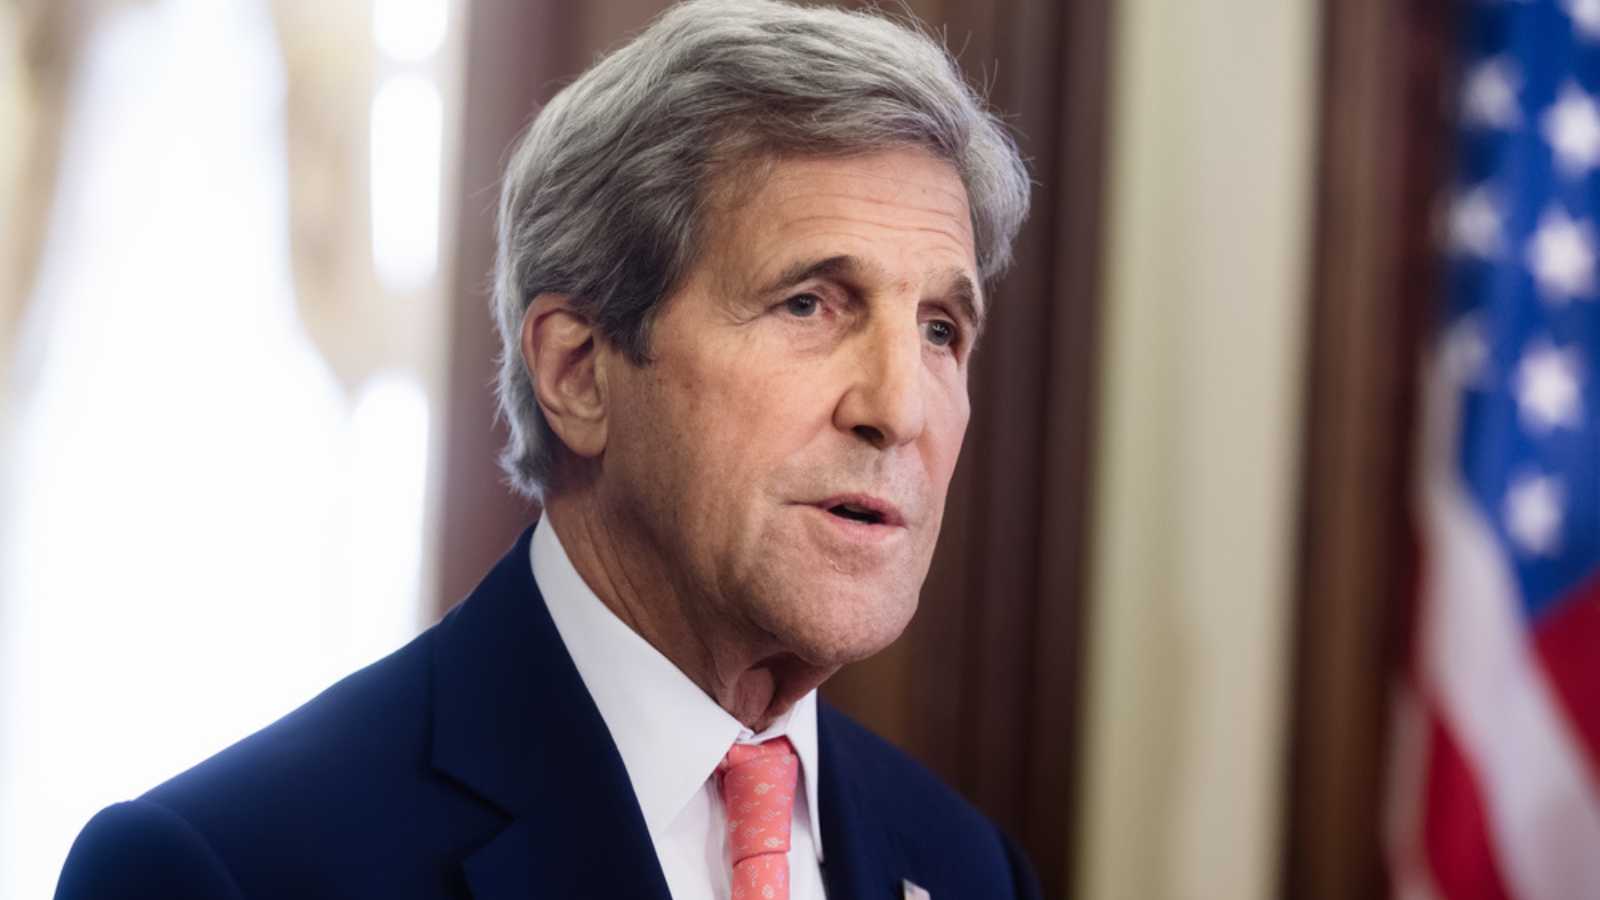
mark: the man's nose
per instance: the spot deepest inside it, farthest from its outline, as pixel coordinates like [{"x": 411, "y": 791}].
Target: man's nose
[{"x": 885, "y": 403}]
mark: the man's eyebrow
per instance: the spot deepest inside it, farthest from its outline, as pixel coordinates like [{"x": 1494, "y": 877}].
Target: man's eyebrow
[
  {"x": 843, "y": 267},
  {"x": 958, "y": 285}
]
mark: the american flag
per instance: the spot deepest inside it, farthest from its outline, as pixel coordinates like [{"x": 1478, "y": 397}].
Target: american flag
[{"x": 1495, "y": 790}]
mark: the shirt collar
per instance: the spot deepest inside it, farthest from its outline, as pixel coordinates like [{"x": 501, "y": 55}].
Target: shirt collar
[{"x": 670, "y": 733}]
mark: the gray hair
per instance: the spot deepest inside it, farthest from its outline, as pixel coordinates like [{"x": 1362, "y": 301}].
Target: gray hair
[{"x": 606, "y": 196}]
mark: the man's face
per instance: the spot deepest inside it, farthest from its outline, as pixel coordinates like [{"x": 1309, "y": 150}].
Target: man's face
[{"x": 786, "y": 452}]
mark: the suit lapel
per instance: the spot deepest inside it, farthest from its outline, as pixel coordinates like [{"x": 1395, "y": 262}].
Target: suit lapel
[
  {"x": 514, "y": 724},
  {"x": 860, "y": 861}
]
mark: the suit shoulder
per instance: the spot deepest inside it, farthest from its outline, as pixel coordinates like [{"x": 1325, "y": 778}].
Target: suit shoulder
[
  {"x": 336, "y": 781},
  {"x": 142, "y": 849},
  {"x": 363, "y": 723}
]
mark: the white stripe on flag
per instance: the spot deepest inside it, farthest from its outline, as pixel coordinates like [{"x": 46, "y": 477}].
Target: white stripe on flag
[
  {"x": 1404, "y": 796},
  {"x": 1544, "y": 814}
]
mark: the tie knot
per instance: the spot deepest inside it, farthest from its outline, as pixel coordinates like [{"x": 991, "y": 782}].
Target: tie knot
[
  {"x": 776, "y": 750},
  {"x": 758, "y": 782}
]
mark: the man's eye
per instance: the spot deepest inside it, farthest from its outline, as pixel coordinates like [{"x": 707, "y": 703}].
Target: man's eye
[
  {"x": 939, "y": 332},
  {"x": 803, "y": 306}
]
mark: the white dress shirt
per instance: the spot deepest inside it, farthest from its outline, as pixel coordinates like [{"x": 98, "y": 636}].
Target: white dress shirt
[{"x": 672, "y": 735}]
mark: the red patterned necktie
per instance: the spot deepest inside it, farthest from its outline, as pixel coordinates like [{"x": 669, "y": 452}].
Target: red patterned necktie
[{"x": 758, "y": 783}]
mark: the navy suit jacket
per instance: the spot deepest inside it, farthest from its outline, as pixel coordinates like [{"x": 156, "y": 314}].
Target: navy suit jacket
[{"x": 473, "y": 763}]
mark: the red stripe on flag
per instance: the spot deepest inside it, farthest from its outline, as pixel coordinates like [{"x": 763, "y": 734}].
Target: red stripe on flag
[
  {"x": 1455, "y": 833},
  {"x": 1568, "y": 643}
]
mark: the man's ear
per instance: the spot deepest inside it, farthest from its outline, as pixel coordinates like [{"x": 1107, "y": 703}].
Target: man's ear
[{"x": 561, "y": 350}]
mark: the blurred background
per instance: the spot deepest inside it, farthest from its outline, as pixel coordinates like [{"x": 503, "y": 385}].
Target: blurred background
[{"x": 247, "y": 440}]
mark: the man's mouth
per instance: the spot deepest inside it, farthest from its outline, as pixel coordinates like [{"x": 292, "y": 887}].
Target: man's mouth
[
  {"x": 863, "y": 508},
  {"x": 850, "y": 511}
]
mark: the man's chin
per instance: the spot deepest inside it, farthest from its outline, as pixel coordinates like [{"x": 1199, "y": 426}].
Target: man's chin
[{"x": 844, "y": 627}]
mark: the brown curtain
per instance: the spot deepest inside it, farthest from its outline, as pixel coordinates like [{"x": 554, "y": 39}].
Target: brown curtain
[
  {"x": 1383, "y": 159},
  {"x": 983, "y": 686}
]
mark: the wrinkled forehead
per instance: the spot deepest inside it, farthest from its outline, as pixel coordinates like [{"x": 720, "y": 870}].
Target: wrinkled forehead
[{"x": 771, "y": 214}]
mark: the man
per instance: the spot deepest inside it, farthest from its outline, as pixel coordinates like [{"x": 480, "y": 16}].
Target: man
[{"x": 740, "y": 280}]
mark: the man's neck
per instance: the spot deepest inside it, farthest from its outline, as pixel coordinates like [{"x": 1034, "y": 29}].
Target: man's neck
[{"x": 747, "y": 674}]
